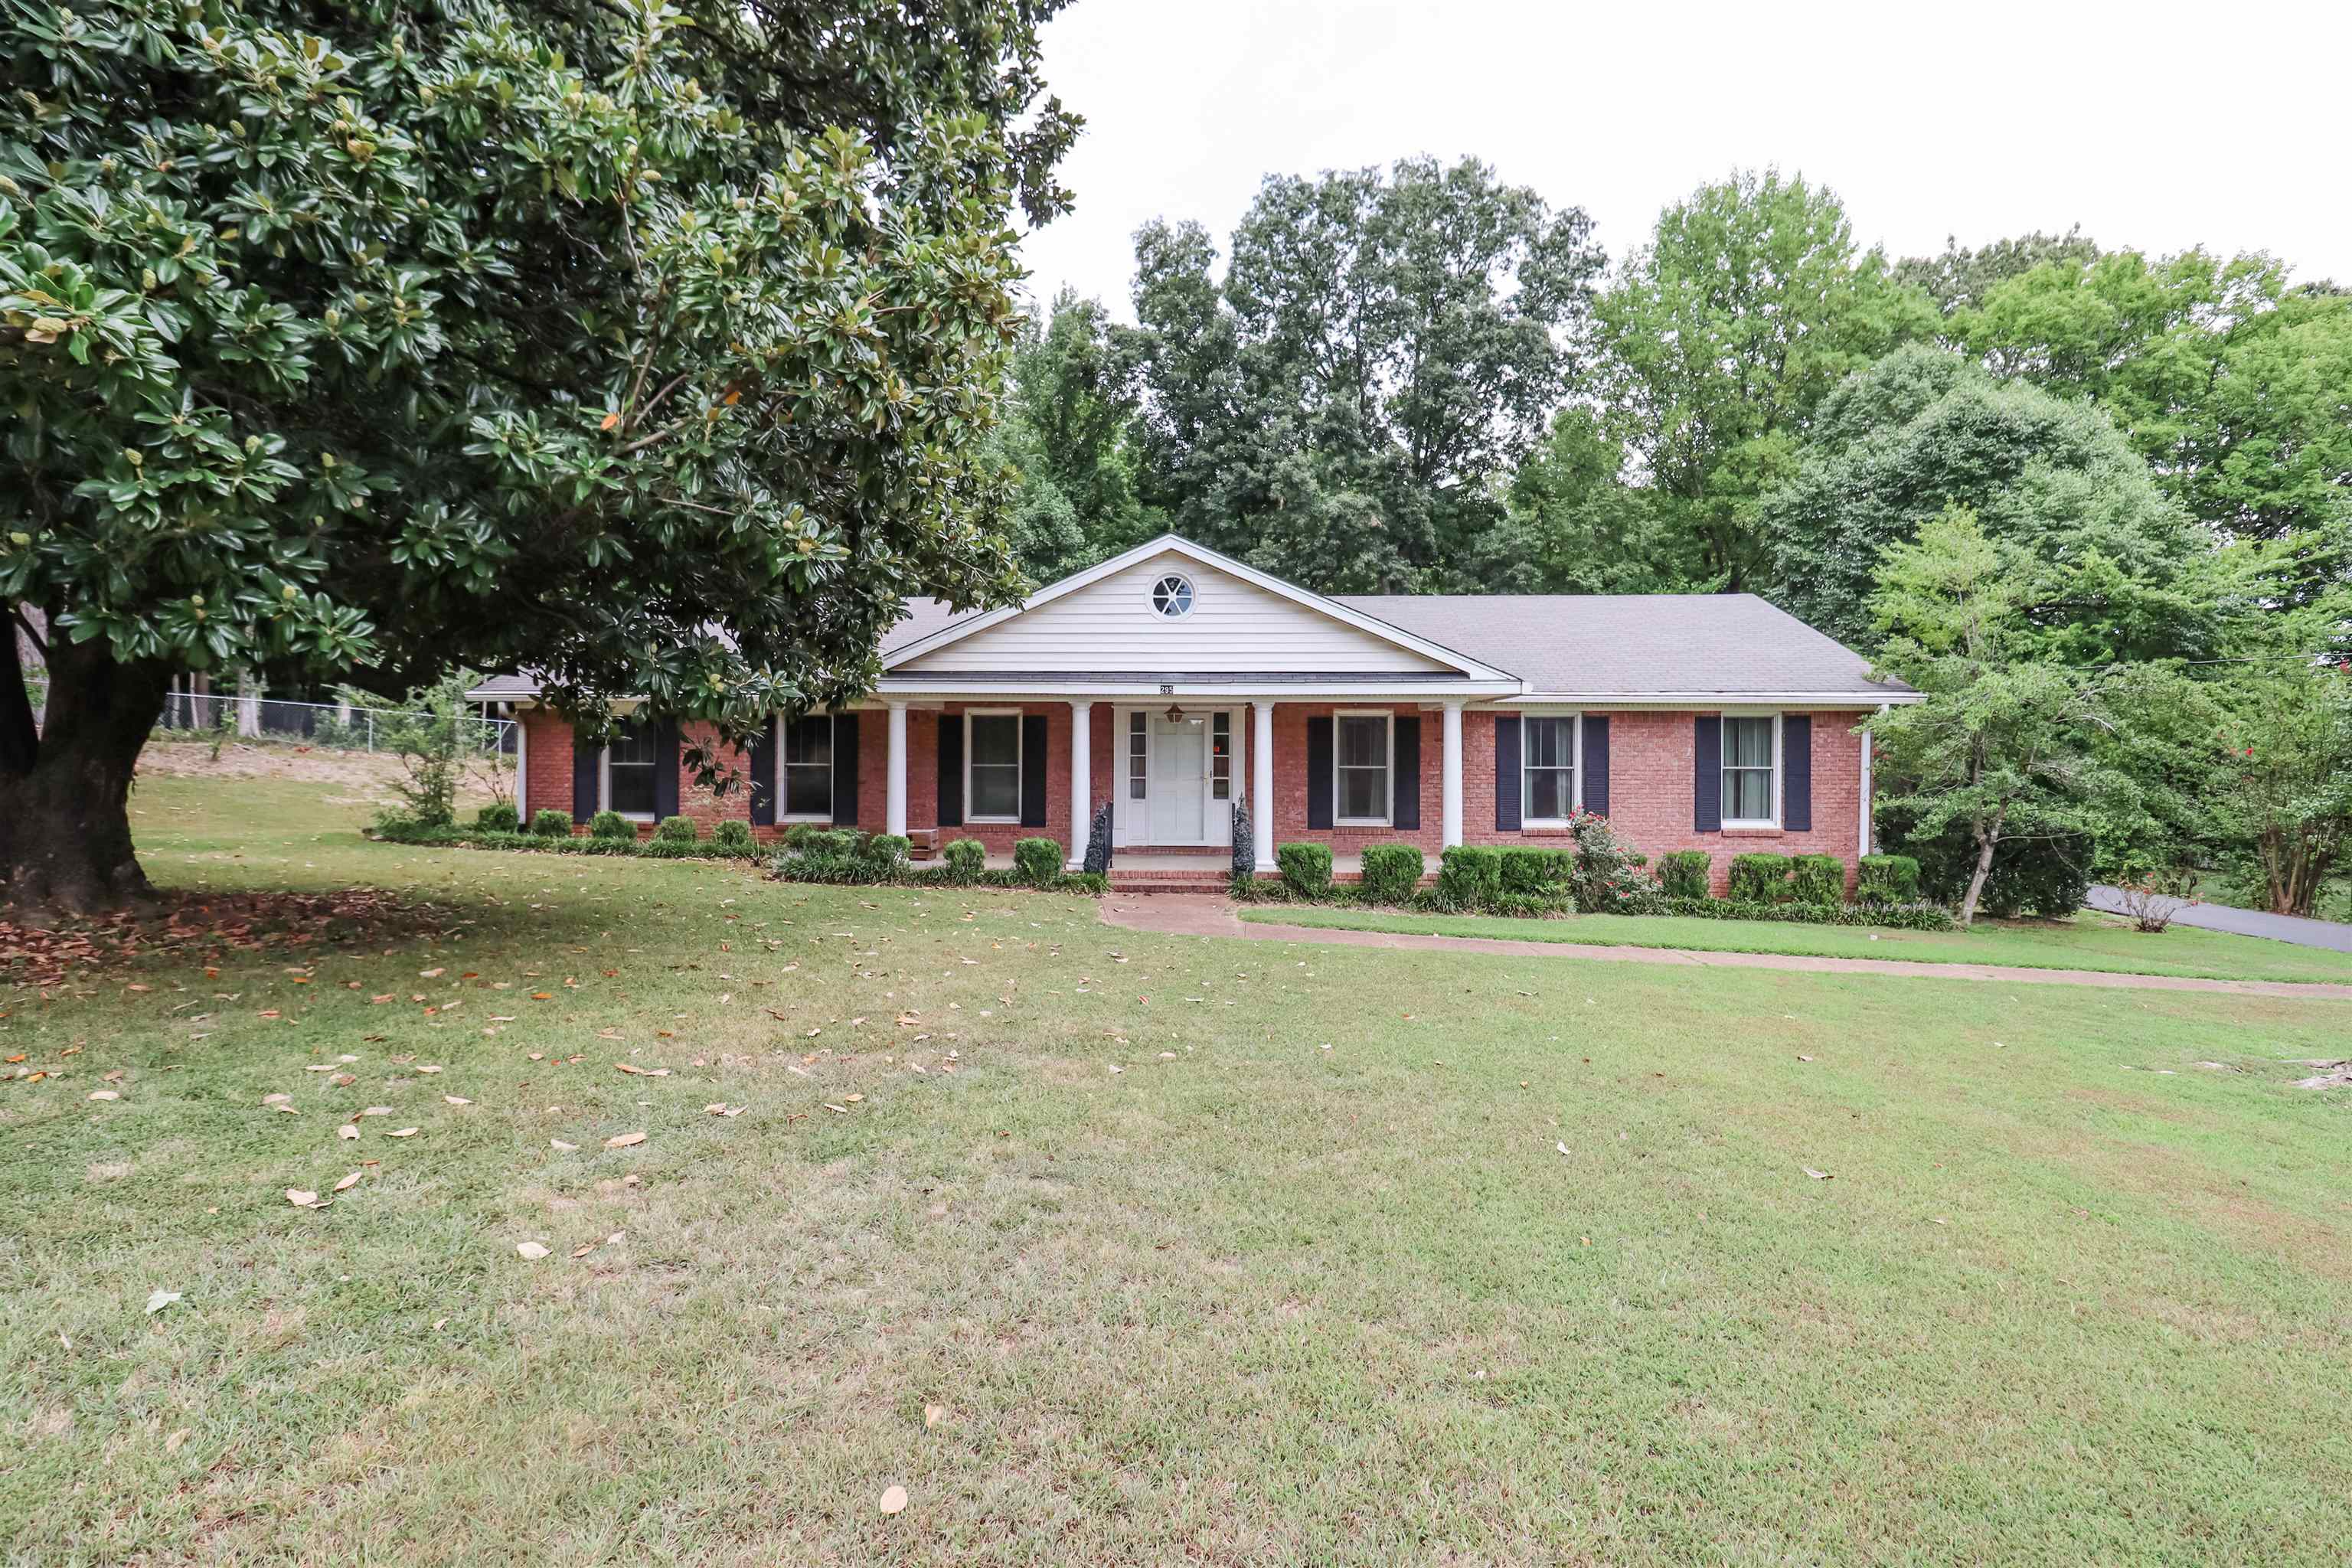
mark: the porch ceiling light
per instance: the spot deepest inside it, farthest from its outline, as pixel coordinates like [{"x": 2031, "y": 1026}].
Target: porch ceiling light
[{"x": 1175, "y": 714}]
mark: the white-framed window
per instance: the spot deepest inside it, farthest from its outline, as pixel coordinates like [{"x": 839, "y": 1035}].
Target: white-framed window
[
  {"x": 1172, "y": 595},
  {"x": 1363, "y": 748},
  {"x": 992, "y": 765},
  {"x": 1751, "y": 772},
  {"x": 1221, "y": 754},
  {"x": 804, "y": 769},
  {"x": 629, "y": 764},
  {"x": 1138, "y": 756},
  {"x": 1548, "y": 764}
]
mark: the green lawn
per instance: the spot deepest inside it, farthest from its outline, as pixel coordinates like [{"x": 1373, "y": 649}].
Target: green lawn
[
  {"x": 2065, "y": 1296},
  {"x": 2089, "y": 941}
]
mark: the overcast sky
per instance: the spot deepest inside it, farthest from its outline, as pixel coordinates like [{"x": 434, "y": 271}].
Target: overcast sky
[{"x": 2153, "y": 126}]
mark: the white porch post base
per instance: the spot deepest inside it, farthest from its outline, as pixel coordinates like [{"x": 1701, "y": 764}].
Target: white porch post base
[
  {"x": 1082, "y": 781},
  {"x": 1451, "y": 792},
  {"x": 1262, "y": 783},
  {"x": 894, "y": 812}
]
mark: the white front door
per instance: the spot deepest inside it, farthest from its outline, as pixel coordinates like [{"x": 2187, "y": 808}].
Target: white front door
[{"x": 1180, "y": 779}]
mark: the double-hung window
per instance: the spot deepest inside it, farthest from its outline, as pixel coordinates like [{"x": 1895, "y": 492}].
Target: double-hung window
[
  {"x": 1361, "y": 778},
  {"x": 804, "y": 756},
  {"x": 991, "y": 752},
  {"x": 1749, "y": 799},
  {"x": 629, "y": 761},
  {"x": 1547, "y": 770}
]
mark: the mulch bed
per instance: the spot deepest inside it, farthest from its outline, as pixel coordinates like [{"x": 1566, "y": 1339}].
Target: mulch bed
[{"x": 194, "y": 927}]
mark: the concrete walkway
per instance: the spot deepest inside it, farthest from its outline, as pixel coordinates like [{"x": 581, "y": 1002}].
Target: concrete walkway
[
  {"x": 2244, "y": 922},
  {"x": 1185, "y": 914}
]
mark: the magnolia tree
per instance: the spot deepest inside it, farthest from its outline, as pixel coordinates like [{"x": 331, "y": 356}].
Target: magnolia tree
[{"x": 652, "y": 345}]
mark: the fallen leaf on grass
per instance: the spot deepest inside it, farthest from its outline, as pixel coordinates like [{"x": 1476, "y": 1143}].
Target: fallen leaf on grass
[
  {"x": 1561, "y": 1147},
  {"x": 1817, "y": 1175},
  {"x": 560, "y": 1145},
  {"x": 531, "y": 1250},
  {"x": 456, "y": 1099},
  {"x": 893, "y": 1500},
  {"x": 624, "y": 1141},
  {"x": 348, "y": 1129},
  {"x": 932, "y": 1413},
  {"x": 843, "y": 1109},
  {"x": 161, "y": 1300},
  {"x": 300, "y": 1199},
  {"x": 276, "y": 1098},
  {"x": 348, "y": 1182},
  {"x": 105, "y": 1094},
  {"x": 401, "y": 1132}
]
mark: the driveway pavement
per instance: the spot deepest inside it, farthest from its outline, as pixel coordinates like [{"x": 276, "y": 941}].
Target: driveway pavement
[{"x": 2244, "y": 922}]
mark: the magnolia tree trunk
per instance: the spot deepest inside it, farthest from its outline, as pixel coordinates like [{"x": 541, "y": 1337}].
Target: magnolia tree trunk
[{"x": 65, "y": 793}]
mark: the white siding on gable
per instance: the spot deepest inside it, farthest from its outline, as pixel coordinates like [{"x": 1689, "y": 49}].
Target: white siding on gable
[{"x": 1235, "y": 626}]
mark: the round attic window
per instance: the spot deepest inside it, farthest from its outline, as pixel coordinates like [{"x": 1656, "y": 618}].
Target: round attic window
[{"x": 1172, "y": 595}]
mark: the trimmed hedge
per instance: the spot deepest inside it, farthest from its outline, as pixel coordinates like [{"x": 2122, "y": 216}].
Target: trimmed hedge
[
  {"x": 1684, "y": 874},
  {"x": 1887, "y": 879},
  {"x": 1899, "y": 917},
  {"x": 498, "y": 819},
  {"x": 1392, "y": 873},
  {"x": 679, "y": 830},
  {"x": 1817, "y": 880},
  {"x": 1469, "y": 876},
  {"x": 1306, "y": 868},
  {"x": 1529, "y": 871},
  {"x": 1760, "y": 878},
  {"x": 733, "y": 835},
  {"x": 1037, "y": 862},
  {"x": 564, "y": 843},
  {"x": 611, "y": 825},
  {"x": 548, "y": 822},
  {"x": 964, "y": 859}
]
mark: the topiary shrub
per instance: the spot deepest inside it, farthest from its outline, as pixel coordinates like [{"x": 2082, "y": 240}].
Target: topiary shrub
[
  {"x": 1245, "y": 858},
  {"x": 732, "y": 836},
  {"x": 1306, "y": 868},
  {"x": 498, "y": 819},
  {"x": 679, "y": 830},
  {"x": 965, "y": 859},
  {"x": 1760, "y": 878},
  {"x": 548, "y": 822},
  {"x": 1685, "y": 873},
  {"x": 797, "y": 836},
  {"x": 1817, "y": 880},
  {"x": 1038, "y": 861},
  {"x": 885, "y": 856},
  {"x": 611, "y": 825},
  {"x": 1097, "y": 859},
  {"x": 1469, "y": 877},
  {"x": 1528, "y": 871},
  {"x": 1392, "y": 873},
  {"x": 1887, "y": 879}
]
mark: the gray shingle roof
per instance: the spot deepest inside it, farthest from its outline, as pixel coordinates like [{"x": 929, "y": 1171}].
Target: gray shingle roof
[{"x": 1731, "y": 644}]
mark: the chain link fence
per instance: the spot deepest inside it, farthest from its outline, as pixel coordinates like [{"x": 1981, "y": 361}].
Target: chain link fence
[{"x": 326, "y": 726}]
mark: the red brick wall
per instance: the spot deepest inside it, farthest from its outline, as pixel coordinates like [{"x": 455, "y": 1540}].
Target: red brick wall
[{"x": 1649, "y": 781}]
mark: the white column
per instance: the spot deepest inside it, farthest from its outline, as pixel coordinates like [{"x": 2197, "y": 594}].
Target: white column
[
  {"x": 1082, "y": 779},
  {"x": 1262, "y": 783},
  {"x": 1864, "y": 831},
  {"x": 894, "y": 811},
  {"x": 1452, "y": 789},
  {"x": 522, "y": 765}
]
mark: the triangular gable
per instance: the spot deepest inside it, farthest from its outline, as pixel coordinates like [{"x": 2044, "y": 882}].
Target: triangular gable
[{"x": 1242, "y": 620}]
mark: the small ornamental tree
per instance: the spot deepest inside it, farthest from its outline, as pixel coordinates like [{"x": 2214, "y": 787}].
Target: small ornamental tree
[{"x": 653, "y": 344}]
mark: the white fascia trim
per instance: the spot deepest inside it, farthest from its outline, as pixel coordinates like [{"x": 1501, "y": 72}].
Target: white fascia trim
[
  {"x": 1167, "y": 543},
  {"x": 926, "y": 688},
  {"x": 1717, "y": 701}
]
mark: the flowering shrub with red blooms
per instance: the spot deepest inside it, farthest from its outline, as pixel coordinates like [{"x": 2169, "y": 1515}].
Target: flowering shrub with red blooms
[{"x": 1609, "y": 877}]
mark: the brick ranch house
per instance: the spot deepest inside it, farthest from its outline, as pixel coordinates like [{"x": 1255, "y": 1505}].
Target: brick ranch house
[{"x": 1172, "y": 682}]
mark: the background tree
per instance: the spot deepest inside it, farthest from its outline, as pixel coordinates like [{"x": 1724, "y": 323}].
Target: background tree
[
  {"x": 573, "y": 336},
  {"x": 1069, "y": 429},
  {"x": 2112, "y": 568},
  {"x": 1960, "y": 278},
  {"x": 2004, "y": 748},
  {"x": 1722, "y": 334},
  {"x": 1347, "y": 403},
  {"x": 1575, "y": 526}
]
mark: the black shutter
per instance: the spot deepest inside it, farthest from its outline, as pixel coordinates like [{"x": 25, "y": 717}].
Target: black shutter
[
  {"x": 666, "y": 769},
  {"x": 1319, "y": 773},
  {"x": 1404, "y": 782},
  {"x": 1595, "y": 780},
  {"x": 763, "y": 776},
  {"x": 951, "y": 811},
  {"x": 1706, "y": 773},
  {"x": 844, "y": 770},
  {"x": 585, "y": 777},
  {"x": 1033, "y": 770},
  {"x": 1797, "y": 772},
  {"x": 1506, "y": 772}
]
